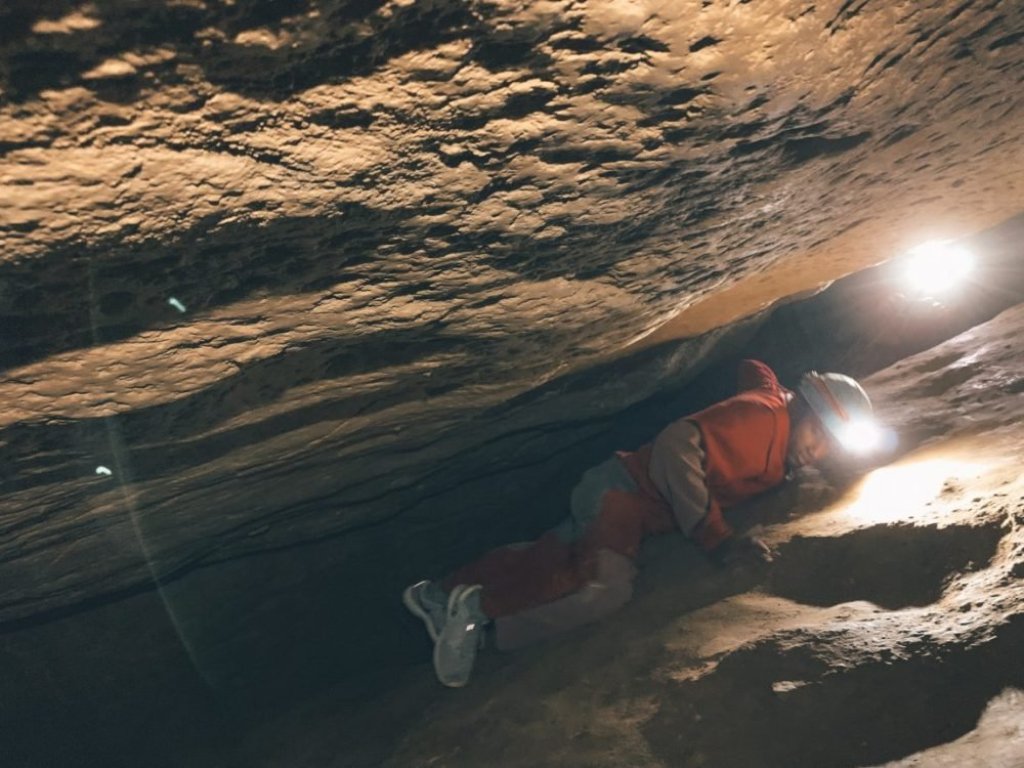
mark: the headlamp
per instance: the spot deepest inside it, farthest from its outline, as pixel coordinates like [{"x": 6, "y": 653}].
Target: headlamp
[{"x": 860, "y": 437}]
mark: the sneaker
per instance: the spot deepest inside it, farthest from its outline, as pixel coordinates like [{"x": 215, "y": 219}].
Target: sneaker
[
  {"x": 418, "y": 600},
  {"x": 455, "y": 650}
]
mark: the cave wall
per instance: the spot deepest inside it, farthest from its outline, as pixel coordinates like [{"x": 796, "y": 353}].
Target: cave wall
[{"x": 397, "y": 236}]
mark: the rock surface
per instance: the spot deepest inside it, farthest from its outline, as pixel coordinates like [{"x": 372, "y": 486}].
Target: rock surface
[
  {"x": 887, "y": 632},
  {"x": 383, "y": 218},
  {"x": 300, "y": 300}
]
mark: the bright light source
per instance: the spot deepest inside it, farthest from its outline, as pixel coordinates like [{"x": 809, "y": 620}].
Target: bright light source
[
  {"x": 936, "y": 266},
  {"x": 861, "y": 436},
  {"x": 903, "y": 491}
]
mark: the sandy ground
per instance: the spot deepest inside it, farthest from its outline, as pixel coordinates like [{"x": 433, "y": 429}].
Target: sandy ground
[{"x": 886, "y": 633}]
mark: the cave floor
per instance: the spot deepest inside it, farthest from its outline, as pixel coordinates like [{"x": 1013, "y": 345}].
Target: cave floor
[{"x": 887, "y": 632}]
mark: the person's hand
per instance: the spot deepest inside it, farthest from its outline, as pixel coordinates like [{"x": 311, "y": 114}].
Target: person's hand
[
  {"x": 760, "y": 549},
  {"x": 748, "y": 549}
]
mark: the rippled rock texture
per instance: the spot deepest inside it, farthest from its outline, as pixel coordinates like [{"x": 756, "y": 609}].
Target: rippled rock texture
[{"x": 314, "y": 283}]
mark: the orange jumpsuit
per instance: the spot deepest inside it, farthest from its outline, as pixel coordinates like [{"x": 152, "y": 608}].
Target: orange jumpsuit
[{"x": 744, "y": 439}]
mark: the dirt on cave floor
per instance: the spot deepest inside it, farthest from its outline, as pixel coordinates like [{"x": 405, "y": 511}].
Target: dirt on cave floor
[{"x": 887, "y": 632}]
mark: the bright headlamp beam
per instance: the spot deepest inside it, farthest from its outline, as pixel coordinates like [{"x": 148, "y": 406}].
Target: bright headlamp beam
[
  {"x": 936, "y": 266},
  {"x": 861, "y": 437}
]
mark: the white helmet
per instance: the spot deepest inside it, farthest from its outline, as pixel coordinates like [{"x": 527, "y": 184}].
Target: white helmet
[{"x": 843, "y": 407}]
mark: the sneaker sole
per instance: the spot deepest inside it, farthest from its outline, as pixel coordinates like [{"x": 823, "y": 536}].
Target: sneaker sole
[
  {"x": 453, "y": 599},
  {"x": 410, "y": 602}
]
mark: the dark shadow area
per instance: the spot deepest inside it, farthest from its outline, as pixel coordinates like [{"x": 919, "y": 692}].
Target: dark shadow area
[
  {"x": 892, "y": 566},
  {"x": 928, "y": 699},
  {"x": 128, "y": 695},
  {"x": 18, "y": 16}
]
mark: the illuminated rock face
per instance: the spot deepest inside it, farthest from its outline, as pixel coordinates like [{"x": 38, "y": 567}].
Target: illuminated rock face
[{"x": 304, "y": 277}]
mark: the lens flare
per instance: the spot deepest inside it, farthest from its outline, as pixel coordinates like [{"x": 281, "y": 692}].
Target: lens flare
[{"x": 935, "y": 267}]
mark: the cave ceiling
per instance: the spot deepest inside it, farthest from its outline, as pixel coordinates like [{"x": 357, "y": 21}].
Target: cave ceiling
[{"x": 247, "y": 243}]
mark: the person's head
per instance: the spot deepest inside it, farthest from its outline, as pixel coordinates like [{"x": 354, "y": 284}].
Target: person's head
[
  {"x": 809, "y": 443},
  {"x": 831, "y": 412}
]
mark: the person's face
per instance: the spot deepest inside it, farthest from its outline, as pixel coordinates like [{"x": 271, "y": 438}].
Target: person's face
[{"x": 809, "y": 443}]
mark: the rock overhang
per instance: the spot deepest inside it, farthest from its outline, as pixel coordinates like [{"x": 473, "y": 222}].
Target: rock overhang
[{"x": 387, "y": 220}]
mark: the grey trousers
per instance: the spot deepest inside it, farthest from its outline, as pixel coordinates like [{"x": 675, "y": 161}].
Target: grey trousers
[
  {"x": 677, "y": 471},
  {"x": 611, "y": 589},
  {"x": 612, "y": 586}
]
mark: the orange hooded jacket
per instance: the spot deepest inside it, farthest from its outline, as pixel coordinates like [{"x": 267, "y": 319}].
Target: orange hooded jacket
[{"x": 745, "y": 439}]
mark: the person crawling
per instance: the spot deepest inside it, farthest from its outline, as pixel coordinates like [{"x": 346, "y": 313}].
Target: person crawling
[{"x": 582, "y": 569}]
